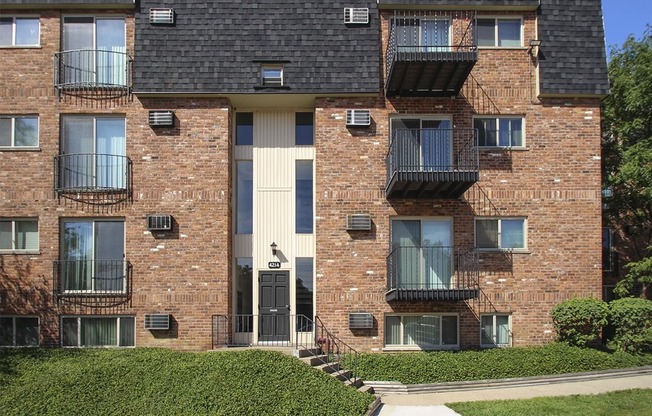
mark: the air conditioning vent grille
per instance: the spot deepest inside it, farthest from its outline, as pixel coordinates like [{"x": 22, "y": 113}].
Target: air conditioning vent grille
[
  {"x": 361, "y": 320},
  {"x": 159, "y": 222},
  {"x": 161, "y": 118},
  {"x": 358, "y": 117},
  {"x": 356, "y": 15},
  {"x": 358, "y": 222},
  {"x": 161, "y": 16},
  {"x": 156, "y": 321}
]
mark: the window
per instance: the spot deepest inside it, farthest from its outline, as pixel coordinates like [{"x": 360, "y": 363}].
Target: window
[
  {"x": 244, "y": 170},
  {"x": 98, "y": 331},
  {"x": 94, "y": 51},
  {"x": 244, "y": 129},
  {"x": 304, "y": 129},
  {"x": 422, "y": 35},
  {"x": 607, "y": 250},
  {"x": 93, "y": 153},
  {"x": 93, "y": 256},
  {"x": 244, "y": 294},
  {"x": 19, "y": 235},
  {"x": 272, "y": 75},
  {"x": 19, "y": 331},
  {"x": 304, "y": 293},
  {"x": 499, "y": 131},
  {"x": 495, "y": 331},
  {"x": 18, "y": 131},
  {"x": 499, "y": 32},
  {"x": 421, "y": 331},
  {"x": 19, "y": 31},
  {"x": 501, "y": 233},
  {"x": 304, "y": 197}
]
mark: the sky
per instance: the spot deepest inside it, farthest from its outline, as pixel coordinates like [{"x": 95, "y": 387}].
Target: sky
[{"x": 625, "y": 17}]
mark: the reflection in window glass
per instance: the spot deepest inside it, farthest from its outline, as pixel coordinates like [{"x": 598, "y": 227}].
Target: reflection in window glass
[
  {"x": 304, "y": 129},
  {"x": 244, "y": 129},
  {"x": 304, "y": 197},
  {"x": 304, "y": 292},
  {"x": 244, "y": 196}
]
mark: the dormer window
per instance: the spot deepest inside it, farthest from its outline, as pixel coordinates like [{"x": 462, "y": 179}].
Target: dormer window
[{"x": 272, "y": 75}]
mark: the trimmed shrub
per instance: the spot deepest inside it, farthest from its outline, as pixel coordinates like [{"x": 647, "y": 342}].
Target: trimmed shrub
[
  {"x": 579, "y": 321},
  {"x": 631, "y": 319}
]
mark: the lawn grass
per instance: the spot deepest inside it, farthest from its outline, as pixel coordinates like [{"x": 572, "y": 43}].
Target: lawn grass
[
  {"x": 622, "y": 403},
  {"x": 448, "y": 366},
  {"x": 164, "y": 382}
]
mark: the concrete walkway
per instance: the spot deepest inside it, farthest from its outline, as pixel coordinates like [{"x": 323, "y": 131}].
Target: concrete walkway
[{"x": 431, "y": 404}]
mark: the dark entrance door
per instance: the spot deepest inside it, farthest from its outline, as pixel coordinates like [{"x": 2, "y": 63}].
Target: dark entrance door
[{"x": 274, "y": 306}]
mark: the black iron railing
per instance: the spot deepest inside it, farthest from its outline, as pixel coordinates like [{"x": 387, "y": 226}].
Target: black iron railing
[
  {"x": 92, "y": 282},
  {"x": 335, "y": 353},
  {"x": 429, "y": 35},
  {"x": 271, "y": 330},
  {"x": 93, "y": 72},
  {"x": 93, "y": 173},
  {"x": 432, "y": 150},
  {"x": 432, "y": 268}
]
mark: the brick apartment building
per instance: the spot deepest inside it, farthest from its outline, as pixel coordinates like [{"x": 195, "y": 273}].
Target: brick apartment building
[{"x": 417, "y": 174}]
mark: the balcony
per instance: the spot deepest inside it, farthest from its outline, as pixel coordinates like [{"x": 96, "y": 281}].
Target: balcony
[
  {"x": 430, "y": 53},
  {"x": 93, "y": 178},
  {"x": 432, "y": 273},
  {"x": 432, "y": 163},
  {"x": 93, "y": 73},
  {"x": 97, "y": 283}
]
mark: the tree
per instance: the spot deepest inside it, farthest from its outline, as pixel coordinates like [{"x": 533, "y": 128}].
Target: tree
[{"x": 627, "y": 154}]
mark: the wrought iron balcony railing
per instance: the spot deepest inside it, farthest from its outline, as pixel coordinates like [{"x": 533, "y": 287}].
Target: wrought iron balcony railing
[
  {"x": 93, "y": 73},
  {"x": 95, "y": 178},
  {"x": 99, "y": 283},
  {"x": 432, "y": 273},
  {"x": 432, "y": 162}
]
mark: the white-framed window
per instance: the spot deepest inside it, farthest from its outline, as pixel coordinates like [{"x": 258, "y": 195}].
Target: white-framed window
[
  {"x": 98, "y": 331},
  {"x": 495, "y": 330},
  {"x": 18, "y": 131},
  {"x": 93, "y": 256},
  {"x": 272, "y": 75},
  {"x": 20, "y": 31},
  {"x": 504, "y": 131},
  {"x": 422, "y": 331},
  {"x": 501, "y": 32},
  {"x": 19, "y": 235},
  {"x": 19, "y": 331},
  {"x": 500, "y": 233}
]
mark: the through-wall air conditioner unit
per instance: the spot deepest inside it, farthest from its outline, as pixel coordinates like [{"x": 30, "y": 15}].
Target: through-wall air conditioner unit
[
  {"x": 358, "y": 222},
  {"x": 356, "y": 15},
  {"x": 159, "y": 222},
  {"x": 161, "y": 118},
  {"x": 361, "y": 320},
  {"x": 358, "y": 118},
  {"x": 161, "y": 16},
  {"x": 157, "y": 321}
]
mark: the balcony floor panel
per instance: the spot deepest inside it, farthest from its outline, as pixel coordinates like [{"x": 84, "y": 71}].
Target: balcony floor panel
[
  {"x": 431, "y": 294},
  {"x": 451, "y": 184}
]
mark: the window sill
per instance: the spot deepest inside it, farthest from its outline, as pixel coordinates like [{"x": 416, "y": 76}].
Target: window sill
[
  {"x": 500, "y": 250},
  {"x": 19, "y": 149},
  {"x": 20, "y": 46},
  {"x": 504, "y": 148},
  {"x": 511, "y": 48},
  {"x": 23, "y": 252},
  {"x": 398, "y": 348}
]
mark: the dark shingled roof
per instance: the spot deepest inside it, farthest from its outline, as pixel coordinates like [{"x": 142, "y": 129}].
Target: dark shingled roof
[
  {"x": 572, "y": 60},
  {"x": 218, "y": 46},
  {"x": 58, "y": 4}
]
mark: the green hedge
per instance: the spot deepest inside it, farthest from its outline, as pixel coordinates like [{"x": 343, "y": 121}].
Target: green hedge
[
  {"x": 164, "y": 382},
  {"x": 579, "y": 321},
  {"x": 631, "y": 320},
  {"x": 447, "y": 366}
]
